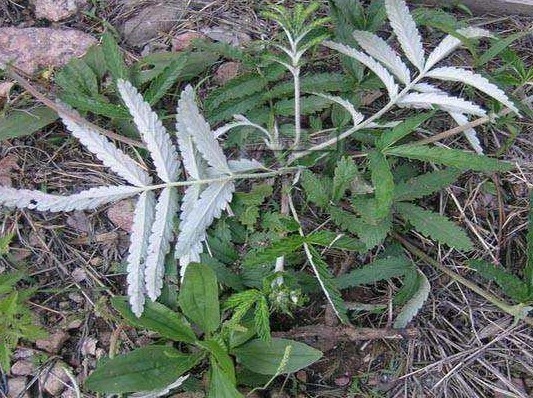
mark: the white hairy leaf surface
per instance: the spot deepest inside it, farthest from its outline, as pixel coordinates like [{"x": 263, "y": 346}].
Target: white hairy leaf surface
[
  {"x": 411, "y": 308},
  {"x": 378, "y": 48},
  {"x": 108, "y": 153},
  {"x": 143, "y": 219},
  {"x": 159, "y": 241},
  {"x": 460, "y": 118},
  {"x": 153, "y": 133},
  {"x": 472, "y": 79},
  {"x": 370, "y": 63},
  {"x": 357, "y": 117},
  {"x": 88, "y": 199},
  {"x": 188, "y": 204},
  {"x": 449, "y": 103},
  {"x": 451, "y": 43},
  {"x": 209, "y": 206},
  {"x": 469, "y": 133},
  {"x": 191, "y": 122},
  {"x": 244, "y": 165},
  {"x": 26, "y": 198},
  {"x": 406, "y": 32},
  {"x": 189, "y": 155}
]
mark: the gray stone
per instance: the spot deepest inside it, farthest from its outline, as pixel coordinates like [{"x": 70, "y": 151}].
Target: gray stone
[{"x": 148, "y": 23}]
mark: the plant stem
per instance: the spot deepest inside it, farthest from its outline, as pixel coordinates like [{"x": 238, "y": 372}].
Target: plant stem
[
  {"x": 225, "y": 178},
  {"x": 510, "y": 309},
  {"x": 297, "y": 108}
]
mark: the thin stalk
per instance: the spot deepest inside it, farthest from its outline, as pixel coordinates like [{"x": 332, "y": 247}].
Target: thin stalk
[
  {"x": 297, "y": 108},
  {"x": 225, "y": 178},
  {"x": 513, "y": 310}
]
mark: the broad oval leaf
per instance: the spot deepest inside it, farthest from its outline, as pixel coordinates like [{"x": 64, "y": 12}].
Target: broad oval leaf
[
  {"x": 279, "y": 356},
  {"x": 144, "y": 369},
  {"x": 220, "y": 385},
  {"x": 198, "y": 297},
  {"x": 158, "y": 318}
]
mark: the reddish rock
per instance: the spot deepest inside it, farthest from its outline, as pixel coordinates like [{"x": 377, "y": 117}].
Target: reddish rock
[
  {"x": 121, "y": 214},
  {"x": 32, "y": 48},
  {"x": 184, "y": 40},
  {"x": 53, "y": 343},
  {"x": 226, "y": 72},
  {"x": 22, "y": 368},
  {"x": 56, "y": 10},
  {"x": 17, "y": 388},
  {"x": 55, "y": 380}
]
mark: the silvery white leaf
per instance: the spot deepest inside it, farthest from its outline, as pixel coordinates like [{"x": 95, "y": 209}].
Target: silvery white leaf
[
  {"x": 451, "y": 43},
  {"x": 406, "y": 32},
  {"x": 461, "y": 119},
  {"x": 108, "y": 153},
  {"x": 378, "y": 48},
  {"x": 370, "y": 63},
  {"x": 208, "y": 207},
  {"x": 192, "y": 257},
  {"x": 449, "y": 103},
  {"x": 88, "y": 199},
  {"x": 244, "y": 165},
  {"x": 161, "y": 392},
  {"x": 155, "y": 136},
  {"x": 26, "y": 198},
  {"x": 143, "y": 219},
  {"x": 159, "y": 241},
  {"x": 191, "y": 161},
  {"x": 474, "y": 80},
  {"x": 191, "y": 122},
  {"x": 357, "y": 117},
  {"x": 469, "y": 133},
  {"x": 411, "y": 308}
]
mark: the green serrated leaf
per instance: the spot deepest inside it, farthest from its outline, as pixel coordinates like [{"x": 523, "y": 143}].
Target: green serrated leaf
[
  {"x": 511, "y": 285},
  {"x": 144, "y": 369},
  {"x": 22, "y": 123},
  {"x": 383, "y": 183},
  {"x": 403, "y": 129},
  {"x": 113, "y": 57},
  {"x": 165, "y": 80},
  {"x": 381, "y": 269},
  {"x": 247, "y": 204},
  {"x": 450, "y": 157},
  {"x": 277, "y": 249},
  {"x": 262, "y": 319},
  {"x": 95, "y": 105},
  {"x": 497, "y": 47},
  {"x": 240, "y": 87},
  {"x": 335, "y": 241},
  {"x": 415, "y": 303},
  {"x": 158, "y": 318},
  {"x": 198, "y": 297},
  {"x": 425, "y": 184},
  {"x": 271, "y": 358},
  {"x": 435, "y": 226},
  {"x": 317, "y": 188},
  {"x": 346, "y": 172},
  {"x": 77, "y": 78},
  {"x": 410, "y": 285}
]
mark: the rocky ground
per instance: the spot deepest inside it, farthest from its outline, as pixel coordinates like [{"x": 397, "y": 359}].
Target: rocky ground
[{"x": 460, "y": 346}]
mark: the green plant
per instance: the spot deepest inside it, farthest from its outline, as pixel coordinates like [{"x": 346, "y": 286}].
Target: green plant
[
  {"x": 16, "y": 320},
  {"x": 217, "y": 342},
  {"x": 307, "y": 121}
]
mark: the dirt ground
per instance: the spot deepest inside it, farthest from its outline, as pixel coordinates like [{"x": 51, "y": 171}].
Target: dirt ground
[{"x": 459, "y": 346}]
